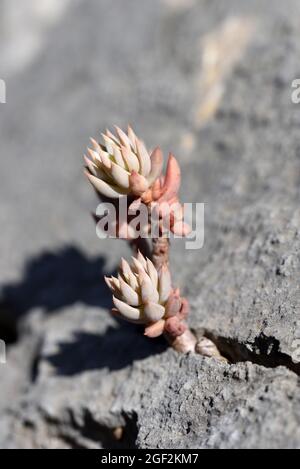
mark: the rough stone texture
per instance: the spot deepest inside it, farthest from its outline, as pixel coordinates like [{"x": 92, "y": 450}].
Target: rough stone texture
[{"x": 74, "y": 375}]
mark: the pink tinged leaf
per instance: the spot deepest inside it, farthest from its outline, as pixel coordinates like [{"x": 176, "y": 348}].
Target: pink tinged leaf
[
  {"x": 176, "y": 209},
  {"x": 120, "y": 176},
  {"x": 153, "y": 274},
  {"x": 129, "y": 295},
  {"x": 130, "y": 159},
  {"x": 148, "y": 291},
  {"x": 147, "y": 197},
  {"x": 144, "y": 158},
  {"x": 138, "y": 183},
  {"x": 156, "y": 329},
  {"x": 105, "y": 189},
  {"x": 127, "y": 311},
  {"x": 156, "y": 165},
  {"x": 181, "y": 229},
  {"x": 174, "y": 201},
  {"x": 163, "y": 209},
  {"x": 172, "y": 179},
  {"x": 153, "y": 312},
  {"x": 174, "y": 327},
  {"x": 156, "y": 190},
  {"x": 165, "y": 284},
  {"x": 173, "y": 305},
  {"x": 185, "y": 308}
]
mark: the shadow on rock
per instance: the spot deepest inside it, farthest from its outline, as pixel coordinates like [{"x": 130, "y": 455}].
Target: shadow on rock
[
  {"x": 116, "y": 349},
  {"x": 55, "y": 280}
]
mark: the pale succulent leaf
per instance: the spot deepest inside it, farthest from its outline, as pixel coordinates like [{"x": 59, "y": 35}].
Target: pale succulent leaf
[
  {"x": 104, "y": 188},
  {"x": 153, "y": 274},
  {"x": 137, "y": 267},
  {"x": 129, "y": 295},
  {"x": 141, "y": 259},
  {"x": 148, "y": 291},
  {"x": 105, "y": 159},
  {"x": 156, "y": 165},
  {"x": 165, "y": 284},
  {"x": 112, "y": 137},
  {"x": 133, "y": 281},
  {"x": 115, "y": 312},
  {"x": 90, "y": 165},
  {"x": 123, "y": 137},
  {"x": 132, "y": 138},
  {"x": 130, "y": 159},
  {"x": 95, "y": 144},
  {"x": 125, "y": 267},
  {"x": 153, "y": 312},
  {"x": 127, "y": 311},
  {"x": 120, "y": 176},
  {"x": 144, "y": 158},
  {"x": 118, "y": 157},
  {"x": 156, "y": 329},
  {"x": 109, "y": 144}
]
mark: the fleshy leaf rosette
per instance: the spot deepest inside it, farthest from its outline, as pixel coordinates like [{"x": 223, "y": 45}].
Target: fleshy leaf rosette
[
  {"x": 121, "y": 165},
  {"x": 143, "y": 295}
]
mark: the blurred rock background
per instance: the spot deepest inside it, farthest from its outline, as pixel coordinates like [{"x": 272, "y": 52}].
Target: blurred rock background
[{"x": 211, "y": 81}]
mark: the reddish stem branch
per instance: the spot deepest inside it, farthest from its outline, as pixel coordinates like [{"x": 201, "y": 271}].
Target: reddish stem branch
[
  {"x": 142, "y": 245},
  {"x": 186, "y": 342},
  {"x": 160, "y": 252}
]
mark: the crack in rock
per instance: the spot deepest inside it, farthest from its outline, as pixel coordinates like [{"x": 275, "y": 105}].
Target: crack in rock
[{"x": 264, "y": 351}]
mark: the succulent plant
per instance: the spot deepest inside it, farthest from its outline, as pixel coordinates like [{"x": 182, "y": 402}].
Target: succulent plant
[
  {"x": 122, "y": 165},
  {"x": 143, "y": 295}
]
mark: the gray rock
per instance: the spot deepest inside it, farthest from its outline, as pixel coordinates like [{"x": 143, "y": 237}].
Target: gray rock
[
  {"x": 210, "y": 81},
  {"x": 90, "y": 381}
]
